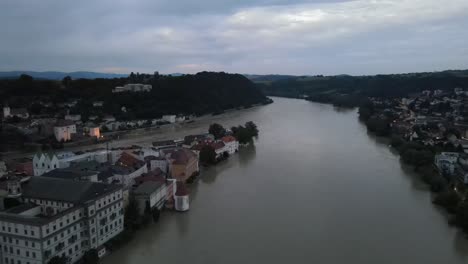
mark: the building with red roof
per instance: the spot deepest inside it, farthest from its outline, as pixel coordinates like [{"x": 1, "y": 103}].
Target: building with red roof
[{"x": 183, "y": 163}]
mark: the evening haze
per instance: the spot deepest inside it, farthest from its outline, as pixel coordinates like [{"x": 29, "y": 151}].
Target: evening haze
[{"x": 259, "y": 36}]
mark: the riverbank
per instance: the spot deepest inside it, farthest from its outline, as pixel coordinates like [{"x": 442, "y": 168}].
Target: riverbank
[{"x": 144, "y": 137}]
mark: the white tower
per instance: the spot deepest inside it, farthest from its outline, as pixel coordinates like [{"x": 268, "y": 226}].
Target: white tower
[{"x": 6, "y": 111}]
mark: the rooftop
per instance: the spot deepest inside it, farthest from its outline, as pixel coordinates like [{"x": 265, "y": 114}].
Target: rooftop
[
  {"x": 65, "y": 190},
  {"x": 147, "y": 188}
]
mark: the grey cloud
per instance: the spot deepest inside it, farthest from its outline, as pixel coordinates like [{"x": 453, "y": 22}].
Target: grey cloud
[{"x": 301, "y": 37}]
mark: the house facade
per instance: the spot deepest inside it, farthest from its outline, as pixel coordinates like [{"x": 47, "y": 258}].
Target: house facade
[
  {"x": 63, "y": 130},
  {"x": 44, "y": 162}
]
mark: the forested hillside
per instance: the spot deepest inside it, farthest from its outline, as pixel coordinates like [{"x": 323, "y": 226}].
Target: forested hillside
[
  {"x": 350, "y": 90},
  {"x": 201, "y": 93}
]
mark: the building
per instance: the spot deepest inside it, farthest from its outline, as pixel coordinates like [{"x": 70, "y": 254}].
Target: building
[
  {"x": 15, "y": 112},
  {"x": 23, "y": 166},
  {"x": 93, "y": 130},
  {"x": 231, "y": 144},
  {"x": 446, "y": 162},
  {"x": 98, "y": 103},
  {"x": 74, "y": 118},
  {"x": 64, "y": 129},
  {"x": 74, "y": 218},
  {"x": 183, "y": 163},
  {"x": 164, "y": 144},
  {"x": 156, "y": 163},
  {"x": 134, "y": 87},
  {"x": 44, "y": 162},
  {"x": 150, "y": 195},
  {"x": 169, "y": 118}
]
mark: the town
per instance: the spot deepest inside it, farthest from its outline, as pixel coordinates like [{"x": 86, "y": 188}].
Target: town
[
  {"x": 68, "y": 207},
  {"x": 430, "y": 131}
]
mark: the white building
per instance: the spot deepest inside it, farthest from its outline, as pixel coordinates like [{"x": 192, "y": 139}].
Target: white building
[
  {"x": 133, "y": 87},
  {"x": 75, "y": 118},
  {"x": 74, "y": 218},
  {"x": 150, "y": 194},
  {"x": 446, "y": 162},
  {"x": 231, "y": 144},
  {"x": 12, "y": 112},
  {"x": 64, "y": 129},
  {"x": 169, "y": 118},
  {"x": 181, "y": 198},
  {"x": 98, "y": 103},
  {"x": 44, "y": 162}
]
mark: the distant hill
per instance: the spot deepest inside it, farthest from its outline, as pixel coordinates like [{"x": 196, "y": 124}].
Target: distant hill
[
  {"x": 54, "y": 75},
  {"x": 351, "y": 90}
]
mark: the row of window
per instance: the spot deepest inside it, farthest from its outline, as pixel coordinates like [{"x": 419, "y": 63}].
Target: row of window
[
  {"x": 108, "y": 200},
  {"x": 12, "y": 261},
  {"x": 62, "y": 234},
  {"x": 18, "y": 252},
  {"x": 17, "y": 242},
  {"x": 26, "y": 232}
]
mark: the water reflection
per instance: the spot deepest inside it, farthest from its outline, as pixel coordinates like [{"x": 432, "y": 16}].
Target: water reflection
[{"x": 247, "y": 154}]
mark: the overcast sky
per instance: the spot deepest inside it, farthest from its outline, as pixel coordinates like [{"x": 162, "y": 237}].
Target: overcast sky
[{"x": 256, "y": 36}]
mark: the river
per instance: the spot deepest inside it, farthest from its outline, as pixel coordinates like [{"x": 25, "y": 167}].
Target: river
[{"x": 315, "y": 188}]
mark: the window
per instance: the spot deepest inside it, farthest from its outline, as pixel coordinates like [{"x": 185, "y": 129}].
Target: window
[
  {"x": 18, "y": 252},
  {"x": 61, "y": 235},
  {"x": 26, "y": 243},
  {"x": 17, "y": 241},
  {"x": 9, "y": 229},
  {"x": 47, "y": 231},
  {"x": 16, "y": 230},
  {"x": 54, "y": 227},
  {"x": 25, "y": 232},
  {"x": 19, "y": 262},
  {"x": 32, "y": 233},
  {"x": 34, "y": 254},
  {"x": 48, "y": 242},
  {"x": 27, "y": 253}
]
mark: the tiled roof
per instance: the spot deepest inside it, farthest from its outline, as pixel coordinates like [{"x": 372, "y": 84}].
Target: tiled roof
[
  {"x": 149, "y": 187},
  {"x": 129, "y": 160},
  {"x": 227, "y": 139},
  {"x": 181, "y": 156}
]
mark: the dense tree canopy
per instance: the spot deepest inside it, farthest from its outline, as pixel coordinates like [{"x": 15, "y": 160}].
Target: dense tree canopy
[
  {"x": 348, "y": 90},
  {"x": 217, "y": 130},
  {"x": 201, "y": 93}
]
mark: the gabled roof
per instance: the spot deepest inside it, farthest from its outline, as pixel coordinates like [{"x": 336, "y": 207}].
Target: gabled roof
[
  {"x": 227, "y": 139},
  {"x": 128, "y": 160}
]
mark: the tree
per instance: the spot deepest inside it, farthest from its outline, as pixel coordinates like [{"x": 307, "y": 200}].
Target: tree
[
  {"x": 59, "y": 260},
  {"x": 91, "y": 257},
  {"x": 208, "y": 155},
  {"x": 242, "y": 134},
  {"x": 217, "y": 130},
  {"x": 252, "y": 128}
]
